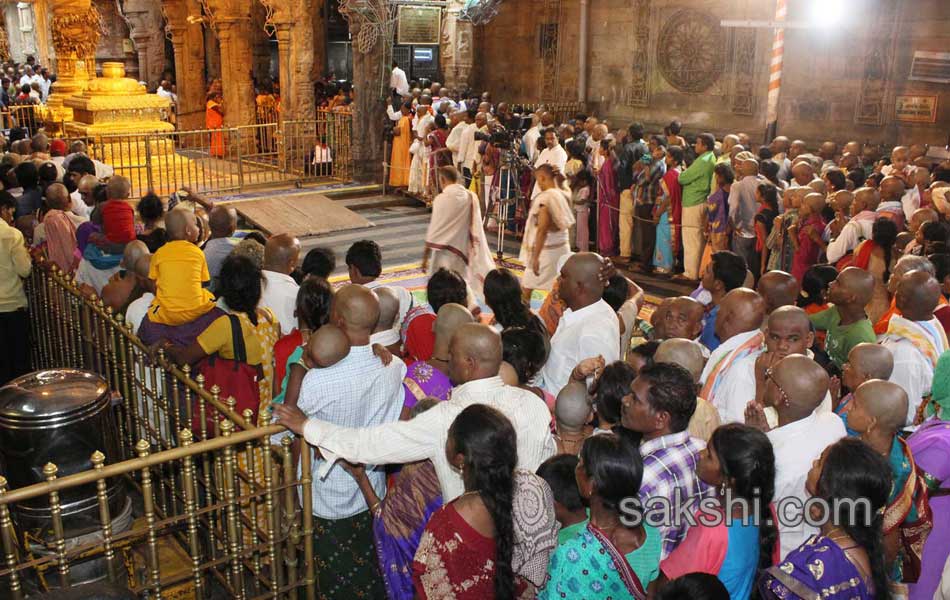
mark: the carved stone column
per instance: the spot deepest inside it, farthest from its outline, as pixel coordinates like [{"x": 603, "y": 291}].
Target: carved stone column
[
  {"x": 231, "y": 21},
  {"x": 295, "y": 49},
  {"x": 144, "y": 20},
  {"x": 189, "y": 47},
  {"x": 367, "y": 136},
  {"x": 456, "y": 50},
  {"x": 75, "y": 29}
]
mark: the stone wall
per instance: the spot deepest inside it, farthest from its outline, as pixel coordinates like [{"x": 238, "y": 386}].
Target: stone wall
[
  {"x": 655, "y": 60},
  {"x": 112, "y": 44}
]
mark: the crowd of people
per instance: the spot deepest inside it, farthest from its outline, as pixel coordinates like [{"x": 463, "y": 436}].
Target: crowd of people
[{"x": 782, "y": 432}]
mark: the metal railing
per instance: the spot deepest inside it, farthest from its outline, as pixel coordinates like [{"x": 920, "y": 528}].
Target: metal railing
[
  {"x": 562, "y": 111},
  {"x": 232, "y": 159},
  {"x": 219, "y": 510}
]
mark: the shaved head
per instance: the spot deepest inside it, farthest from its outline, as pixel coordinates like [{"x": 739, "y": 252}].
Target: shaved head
[
  {"x": 740, "y": 310},
  {"x": 865, "y": 199},
  {"x": 118, "y": 188},
  {"x": 388, "y": 308},
  {"x": 871, "y": 361},
  {"x": 921, "y": 216},
  {"x": 918, "y": 294},
  {"x": 842, "y": 200},
  {"x": 57, "y": 196},
  {"x": 580, "y": 283},
  {"x": 572, "y": 409},
  {"x": 355, "y": 309},
  {"x": 681, "y": 317},
  {"x": 87, "y": 183},
  {"x": 891, "y": 188},
  {"x": 134, "y": 250},
  {"x": 685, "y": 353},
  {"x": 178, "y": 223},
  {"x": 906, "y": 264},
  {"x": 789, "y": 331},
  {"x": 882, "y": 403},
  {"x": 223, "y": 221},
  {"x": 853, "y": 286},
  {"x": 798, "y": 386},
  {"x": 451, "y": 316},
  {"x": 475, "y": 353},
  {"x": 778, "y": 288},
  {"x": 281, "y": 253}
]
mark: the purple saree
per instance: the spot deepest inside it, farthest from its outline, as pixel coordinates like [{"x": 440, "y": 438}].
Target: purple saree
[
  {"x": 422, "y": 380},
  {"x": 817, "y": 570}
]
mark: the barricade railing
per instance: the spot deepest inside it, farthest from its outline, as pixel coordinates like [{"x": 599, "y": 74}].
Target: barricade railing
[
  {"x": 225, "y": 498},
  {"x": 232, "y": 159},
  {"x": 562, "y": 111}
]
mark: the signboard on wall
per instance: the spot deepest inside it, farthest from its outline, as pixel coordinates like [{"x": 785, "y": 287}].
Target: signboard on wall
[
  {"x": 419, "y": 25},
  {"x": 917, "y": 109}
]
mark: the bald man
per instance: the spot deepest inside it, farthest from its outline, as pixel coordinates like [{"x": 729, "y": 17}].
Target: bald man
[
  {"x": 863, "y": 214},
  {"x": 589, "y": 326},
  {"x": 795, "y": 388},
  {"x": 572, "y": 413},
  {"x": 121, "y": 288},
  {"x": 690, "y": 355},
  {"x": 223, "y": 223},
  {"x": 743, "y": 207},
  {"x": 281, "y": 254},
  {"x": 680, "y": 317},
  {"x": 738, "y": 325},
  {"x": 845, "y": 320},
  {"x": 357, "y": 392},
  {"x": 476, "y": 355},
  {"x": 865, "y": 362},
  {"x": 778, "y": 288},
  {"x": 450, "y": 318},
  {"x": 787, "y": 332},
  {"x": 915, "y": 337}
]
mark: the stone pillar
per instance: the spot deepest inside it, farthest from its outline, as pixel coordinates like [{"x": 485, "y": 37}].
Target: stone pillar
[
  {"x": 236, "y": 71},
  {"x": 456, "y": 48},
  {"x": 368, "y": 116},
  {"x": 75, "y": 28},
  {"x": 188, "y": 43},
  {"x": 41, "y": 27},
  {"x": 144, "y": 19},
  {"x": 295, "y": 49}
]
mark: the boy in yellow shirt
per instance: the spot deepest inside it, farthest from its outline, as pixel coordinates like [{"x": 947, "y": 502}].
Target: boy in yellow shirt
[{"x": 179, "y": 269}]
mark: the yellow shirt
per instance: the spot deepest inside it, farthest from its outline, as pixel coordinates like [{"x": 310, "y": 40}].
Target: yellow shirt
[
  {"x": 15, "y": 264},
  {"x": 259, "y": 341},
  {"x": 178, "y": 269}
]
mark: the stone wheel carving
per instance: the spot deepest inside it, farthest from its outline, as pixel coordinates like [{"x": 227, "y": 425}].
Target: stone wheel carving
[{"x": 690, "y": 51}]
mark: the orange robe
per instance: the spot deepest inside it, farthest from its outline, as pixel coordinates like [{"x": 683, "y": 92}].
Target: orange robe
[
  {"x": 214, "y": 119},
  {"x": 400, "y": 159}
]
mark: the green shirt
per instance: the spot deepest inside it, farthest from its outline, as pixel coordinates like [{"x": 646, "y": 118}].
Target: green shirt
[
  {"x": 695, "y": 180},
  {"x": 567, "y": 533},
  {"x": 841, "y": 339}
]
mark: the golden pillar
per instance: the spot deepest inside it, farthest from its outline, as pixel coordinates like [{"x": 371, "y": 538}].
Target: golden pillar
[{"x": 76, "y": 26}]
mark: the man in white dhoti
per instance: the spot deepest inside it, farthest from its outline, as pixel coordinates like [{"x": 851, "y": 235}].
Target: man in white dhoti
[{"x": 455, "y": 238}]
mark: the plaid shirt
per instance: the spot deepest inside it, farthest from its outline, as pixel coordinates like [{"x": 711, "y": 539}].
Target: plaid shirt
[{"x": 669, "y": 463}]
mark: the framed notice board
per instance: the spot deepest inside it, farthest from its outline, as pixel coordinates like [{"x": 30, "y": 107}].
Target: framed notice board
[
  {"x": 916, "y": 109},
  {"x": 419, "y": 25}
]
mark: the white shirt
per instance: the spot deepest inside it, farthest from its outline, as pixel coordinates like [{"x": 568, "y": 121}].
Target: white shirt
[
  {"x": 591, "y": 331},
  {"x": 399, "y": 82},
  {"x": 796, "y": 447},
  {"x": 322, "y": 154},
  {"x": 167, "y": 94},
  {"x": 738, "y": 389},
  {"x": 454, "y": 141},
  {"x": 911, "y": 202},
  {"x": 530, "y": 140},
  {"x": 405, "y": 302},
  {"x": 358, "y": 391},
  {"x": 556, "y": 156},
  {"x": 851, "y": 235},
  {"x": 468, "y": 147},
  {"x": 424, "y": 437},
  {"x": 721, "y": 351},
  {"x": 137, "y": 310},
  {"x": 912, "y": 371},
  {"x": 280, "y": 295},
  {"x": 79, "y": 207},
  {"x": 44, "y": 86}
]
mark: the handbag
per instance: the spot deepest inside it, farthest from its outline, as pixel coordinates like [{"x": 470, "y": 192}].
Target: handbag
[{"x": 235, "y": 378}]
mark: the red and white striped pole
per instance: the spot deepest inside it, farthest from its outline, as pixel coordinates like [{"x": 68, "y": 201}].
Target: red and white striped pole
[{"x": 775, "y": 73}]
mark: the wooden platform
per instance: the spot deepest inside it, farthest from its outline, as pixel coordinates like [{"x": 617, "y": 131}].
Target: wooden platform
[{"x": 302, "y": 214}]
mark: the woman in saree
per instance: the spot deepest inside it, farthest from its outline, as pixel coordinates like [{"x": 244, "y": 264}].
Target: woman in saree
[
  {"x": 930, "y": 447},
  {"x": 439, "y": 154},
  {"x": 876, "y": 256},
  {"x": 608, "y": 203},
  {"x": 400, "y": 159},
  {"x": 662, "y": 216},
  {"x": 214, "y": 119},
  {"x": 400, "y": 517},
  {"x": 606, "y": 559},
  {"x": 546, "y": 230},
  {"x": 846, "y": 559}
]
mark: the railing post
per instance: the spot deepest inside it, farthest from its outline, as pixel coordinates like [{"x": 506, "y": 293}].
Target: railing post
[
  {"x": 8, "y": 537},
  {"x": 98, "y": 461},
  {"x": 233, "y": 515},
  {"x": 56, "y": 514},
  {"x": 240, "y": 146},
  {"x": 188, "y": 482},
  {"x": 154, "y": 581},
  {"x": 148, "y": 161}
]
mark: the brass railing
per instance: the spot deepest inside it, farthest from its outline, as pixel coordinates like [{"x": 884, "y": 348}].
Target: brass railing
[
  {"x": 231, "y": 159},
  {"x": 220, "y": 511},
  {"x": 562, "y": 111}
]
